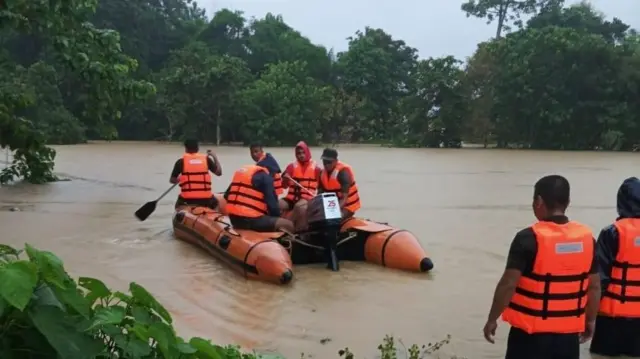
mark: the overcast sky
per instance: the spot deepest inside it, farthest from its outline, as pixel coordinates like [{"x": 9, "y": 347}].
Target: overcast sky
[{"x": 434, "y": 27}]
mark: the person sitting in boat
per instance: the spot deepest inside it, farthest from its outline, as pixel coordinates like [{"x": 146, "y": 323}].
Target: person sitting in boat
[
  {"x": 338, "y": 177},
  {"x": 267, "y": 161},
  {"x": 192, "y": 173},
  {"x": 301, "y": 181},
  {"x": 252, "y": 202}
]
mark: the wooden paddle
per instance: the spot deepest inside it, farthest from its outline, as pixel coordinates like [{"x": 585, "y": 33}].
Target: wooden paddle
[
  {"x": 145, "y": 211},
  {"x": 298, "y": 185}
]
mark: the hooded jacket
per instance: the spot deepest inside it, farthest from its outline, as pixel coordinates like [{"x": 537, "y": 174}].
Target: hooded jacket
[
  {"x": 628, "y": 206},
  {"x": 307, "y": 155}
]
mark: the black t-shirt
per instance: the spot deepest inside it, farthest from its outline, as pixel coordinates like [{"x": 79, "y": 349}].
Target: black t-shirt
[{"x": 522, "y": 254}]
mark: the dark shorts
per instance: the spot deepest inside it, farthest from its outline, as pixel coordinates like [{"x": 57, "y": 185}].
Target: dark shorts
[
  {"x": 258, "y": 224},
  {"x": 616, "y": 337},
  {"x": 521, "y": 345},
  {"x": 289, "y": 203},
  {"x": 209, "y": 202}
]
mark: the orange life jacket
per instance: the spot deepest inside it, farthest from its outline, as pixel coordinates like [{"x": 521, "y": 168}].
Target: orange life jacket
[
  {"x": 330, "y": 183},
  {"x": 244, "y": 200},
  {"x": 195, "y": 180},
  {"x": 306, "y": 177},
  {"x": 277, "y": 179},
  {"x": 622, "y": 296},
  {"x": 552, "y": 298},
  {"x": 277, "y": 184}
]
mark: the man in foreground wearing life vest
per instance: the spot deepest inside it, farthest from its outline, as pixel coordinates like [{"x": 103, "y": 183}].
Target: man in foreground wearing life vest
[
  {"x": 338, "y": 177},
  {"x": 252, "y": 202},
  {"x": 550, "y": 289},
  {"x": 192, "y": 173},
  {"x": 267, "y": 161},
  {"x": 305, "y": 172},
  {"x": 618, "y": 249}
]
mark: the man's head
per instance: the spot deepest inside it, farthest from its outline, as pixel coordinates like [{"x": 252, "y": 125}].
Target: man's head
[
  {"x": 191, "y": 146},
  {"x": 301, "y": 155},
  {"x": 550, "y": 196},
  {"x": 628, "y": 203},
  {"x": 329, "y": 159},
  {"x": 255, "y": 149}
]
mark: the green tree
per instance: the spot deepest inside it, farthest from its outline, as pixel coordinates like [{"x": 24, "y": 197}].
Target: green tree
[
  {"x": 200, "y": 91},
  {"x": 436, "y": 108},
  {"x": 79, "y": 51},
  {"x": 558, "y": 88},
  {"x": 272, "y": 41},
  {"x": 580, "y": 17},
  {"x": 285, "y": 105},
  {"x": 505, "y": 11},
  {"x": 376, "y": 68}
]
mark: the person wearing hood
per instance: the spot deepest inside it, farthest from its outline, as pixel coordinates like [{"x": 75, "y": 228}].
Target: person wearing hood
[
  {"x": 618, "y": 250},
  {"x": 301, "y": 181},
  {"x": 267, "y": 161}
]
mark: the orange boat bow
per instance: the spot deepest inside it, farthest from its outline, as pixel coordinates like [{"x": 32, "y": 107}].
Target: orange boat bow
[
  {"x": 256, "y": 255},
  {"x": 390, "y": 247}
]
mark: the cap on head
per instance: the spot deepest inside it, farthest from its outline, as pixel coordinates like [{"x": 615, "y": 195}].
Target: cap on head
[{"x": 329, "y": 154}]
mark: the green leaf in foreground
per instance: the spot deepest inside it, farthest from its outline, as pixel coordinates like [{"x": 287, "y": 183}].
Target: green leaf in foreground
[
  {"x": 108, "y": 315},
  {"x": 4, "y": 307},
  {"x": 97, "y": 289},
  {"x": 50, "y": 266},
  {"x": 8, "y": 250},
  {"x": 132, "y": 347},
  {"x": 146, "y": 299},
  {"x": 73, "y": 299},
  {"x": 206, "y": 350},
  {"x": 18, "y": 281},
  {"x": 60, "y": 331}
]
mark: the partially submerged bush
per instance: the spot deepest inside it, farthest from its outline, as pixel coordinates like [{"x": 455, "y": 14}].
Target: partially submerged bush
[{"x": 45, "y": 314}]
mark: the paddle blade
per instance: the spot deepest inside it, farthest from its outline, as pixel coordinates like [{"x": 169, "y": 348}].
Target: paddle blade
[{"x": 145, "y": 211}]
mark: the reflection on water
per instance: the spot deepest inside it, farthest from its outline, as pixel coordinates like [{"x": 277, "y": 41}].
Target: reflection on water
[{"x": 464, "y": 205}]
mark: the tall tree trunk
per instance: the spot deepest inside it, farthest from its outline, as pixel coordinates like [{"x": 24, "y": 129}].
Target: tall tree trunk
[{"x": 218, "y": 128}]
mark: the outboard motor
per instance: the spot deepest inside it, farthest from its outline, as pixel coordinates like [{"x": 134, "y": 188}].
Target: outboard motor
[{"x": 324, "y": 218}]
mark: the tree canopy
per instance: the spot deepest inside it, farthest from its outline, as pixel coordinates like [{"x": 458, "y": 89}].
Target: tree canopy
[{"x": 566, "y": 78}]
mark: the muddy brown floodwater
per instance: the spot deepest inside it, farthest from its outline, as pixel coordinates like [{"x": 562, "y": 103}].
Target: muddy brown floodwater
[{"x": 464, "y": 205}]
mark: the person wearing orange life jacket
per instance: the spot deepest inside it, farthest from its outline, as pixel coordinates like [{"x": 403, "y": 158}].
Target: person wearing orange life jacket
[
  {"x": 550, "y": 290},
  {"x": 306, "y": 173},
  {"x": 267, "y": 161},
  {"x": 192, "y": 173},
  {"x": 338, "y": 177},
  {"x": 618, "y": 250},
  {"x": 252, "y": 202}
]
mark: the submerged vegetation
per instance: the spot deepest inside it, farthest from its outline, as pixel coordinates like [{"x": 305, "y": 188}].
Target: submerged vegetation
[
  {"x": 45, "y": 314},
  {"x": 566, "y": 78}
]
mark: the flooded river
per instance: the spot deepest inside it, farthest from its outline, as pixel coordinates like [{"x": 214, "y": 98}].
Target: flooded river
[{"x": 464, "y": 205}]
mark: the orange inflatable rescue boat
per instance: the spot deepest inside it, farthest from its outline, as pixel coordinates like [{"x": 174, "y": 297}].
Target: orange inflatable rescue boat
[
  {"x": 253, "y": 254},
  {"x": 354, "y": 239}
]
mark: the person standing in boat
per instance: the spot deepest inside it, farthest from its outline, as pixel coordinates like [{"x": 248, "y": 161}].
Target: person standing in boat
[
  {"x": 252, "y": 202},
  {"x": 192, "y": 173},
  {"x": 618, "y": 250},
  {"x": 267, "y": 161},
  {"x": 338, "y": 177},
  {"x": 550, "y": 289},
  {"x": 306, "y": 173}
]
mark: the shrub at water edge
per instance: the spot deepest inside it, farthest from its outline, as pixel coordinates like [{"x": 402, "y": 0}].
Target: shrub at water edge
[{"x": 45, "y": 314}]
